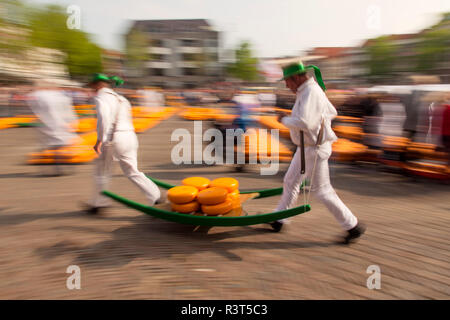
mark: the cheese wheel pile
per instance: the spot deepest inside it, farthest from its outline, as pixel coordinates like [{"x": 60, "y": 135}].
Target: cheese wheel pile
[{"x": 216, "y": 197}]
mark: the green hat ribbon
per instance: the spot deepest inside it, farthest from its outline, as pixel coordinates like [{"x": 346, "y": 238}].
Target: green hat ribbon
[
  {"x": 117, "y": 80},
  {"x": 299, "y": 68},
  {"x": 103, "y": 77}
]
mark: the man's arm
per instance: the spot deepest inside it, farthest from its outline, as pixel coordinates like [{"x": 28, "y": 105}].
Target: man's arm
[
  {"x": 303, "y": 113},
  {"x": 69, "y": 115},
  {"x": 102, "y": 124}
]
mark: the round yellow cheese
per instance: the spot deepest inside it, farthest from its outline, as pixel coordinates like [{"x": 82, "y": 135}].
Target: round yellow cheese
[
  {"x": 212, "y": 196},
  {"x": 230, "y": 184},
  {"x": 182, "y": 194},
  {"x": 216, "y": 209},
  {"x": 236, "y": 201},
  {"x": 234, "y": 194},
  {"x": 199, "y": 182},
  {"x": 185, "y": 207}
]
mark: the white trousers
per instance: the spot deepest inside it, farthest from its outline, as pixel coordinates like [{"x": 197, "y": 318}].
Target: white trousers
[
  {"x": 321, "y": 187},
  {"x": 124, "y": 148}
]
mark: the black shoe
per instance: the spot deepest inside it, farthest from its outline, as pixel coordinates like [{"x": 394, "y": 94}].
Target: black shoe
[
  {"x": 355, "y": 233},
  {"x": 276, "y": 226},
  {"x": 92, "y": 210}
]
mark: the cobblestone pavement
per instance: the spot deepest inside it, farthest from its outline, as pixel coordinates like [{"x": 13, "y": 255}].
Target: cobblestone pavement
[{"x": 124, "y": 254}]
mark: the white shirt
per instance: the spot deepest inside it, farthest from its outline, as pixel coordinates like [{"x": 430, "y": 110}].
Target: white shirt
[
  {"x": 310, "y": 109},
  {"x": 54, "y": 109},
  {"x": 267, "y": 99},
  {"x": 110, "y": 111},
  {"x": 152, "y": 98},
  {"x": 247, "y": 101}
]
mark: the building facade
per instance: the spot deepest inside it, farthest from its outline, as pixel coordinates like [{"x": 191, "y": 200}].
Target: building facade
[
  {"x": 177, "y": 53},
  {"x": 112, "y": 62}
]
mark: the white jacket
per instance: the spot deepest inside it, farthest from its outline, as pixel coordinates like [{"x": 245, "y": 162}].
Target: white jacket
[
  {"x": 56, "y": 113},
  {"x": 151, "y": 98},
  {"x": 112, "y": 108},
  {"x": 311, "y": 108}
]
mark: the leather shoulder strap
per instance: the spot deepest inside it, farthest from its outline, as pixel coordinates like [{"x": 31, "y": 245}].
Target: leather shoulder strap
[{"x": 320, "y": 135}]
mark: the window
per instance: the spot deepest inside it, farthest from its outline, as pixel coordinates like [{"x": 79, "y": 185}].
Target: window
[
  {"x": 157, "y": 43},
  {"x": 189, "y": 71},
  {"x": 158, "y": 72},
  {"x": 211, "y": 43},
  {"x": 157, "y": 57},
  {"x": 189, "y": 43},
  {"x": 190, "y": 57},
  {"x": 213, "y": 56}
]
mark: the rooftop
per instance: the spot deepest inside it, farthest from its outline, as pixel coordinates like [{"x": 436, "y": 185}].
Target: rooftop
[
  {"x": 176, "y": 25},
  {"x": 330, "y": 52},
  {"x": 392, "y": 37}
]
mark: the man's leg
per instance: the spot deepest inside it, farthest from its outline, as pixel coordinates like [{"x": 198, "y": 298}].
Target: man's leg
[
  {"x": 291, "y": 183},
  {"x": 324, "y": 192},
  {"x": 334, "y": 204},
  {"x": 291, "y": 187},
  {"x": 127, "y": 154},
  {"x": 60, "y": 168},
  {"x": 101, "y": 177}
]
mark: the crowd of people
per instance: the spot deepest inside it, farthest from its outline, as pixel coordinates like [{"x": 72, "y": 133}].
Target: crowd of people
[{"x": 419, "y": 113}]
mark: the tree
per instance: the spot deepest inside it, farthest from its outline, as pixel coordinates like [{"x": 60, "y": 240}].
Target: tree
[
  {"x": 434, "y": 46},
  {"x": 381, "y": 57},
  {"x": 48, "y": 29},
  {"x": 245, "y": 66},
  {"x": 137, "y": 51},
  {"x": 13, "y": 31}
]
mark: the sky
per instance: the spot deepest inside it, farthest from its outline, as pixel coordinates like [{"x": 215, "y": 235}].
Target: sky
[{"x": 274, "y": 27}]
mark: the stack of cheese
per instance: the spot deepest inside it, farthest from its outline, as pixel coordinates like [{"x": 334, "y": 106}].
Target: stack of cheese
[
  {"x": 216, "y": 197},
  {"x": 151, "y": 119},
  {"x": 262, "y": 147},
  {"x": 79, "y": 151},
  {"x": 272, "y": 122},
  {"x": 193, "y": 113},
  {"x": 85, "y": 125},
  {"x": 17, "y": 121},
  {"x": 85, "y": 110},
  {"x": 349, "y": 132},
  {"x": 346, "y": 150}
]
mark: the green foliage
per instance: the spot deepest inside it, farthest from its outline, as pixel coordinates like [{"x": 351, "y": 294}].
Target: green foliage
[
  {"x": 48, "y": 29},
  {"x": 381, "y": 57},
  {"x": 434, "y": 48},
  {"x": 246, "y": 66},
  {"x": 12, "y": 11},
  {"x": 431, "y": 49},
  {"x": 13, "y": 34},
  {"x": 137, "y": 54}
]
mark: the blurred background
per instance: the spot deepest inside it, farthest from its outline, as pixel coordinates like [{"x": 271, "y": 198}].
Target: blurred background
[
  {"x": 391, "y": 91},
  {"x": 386, "y": 66}
]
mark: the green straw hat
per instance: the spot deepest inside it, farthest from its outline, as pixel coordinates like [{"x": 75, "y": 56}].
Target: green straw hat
[
  {"x": 103, "y": 77},
  {"x": 299, "y": 68}
]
